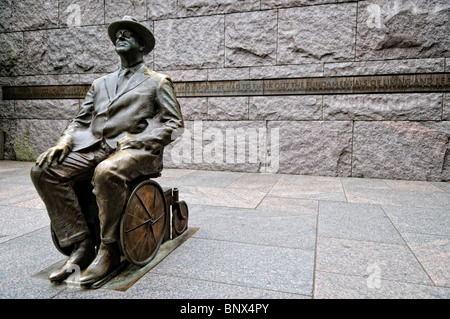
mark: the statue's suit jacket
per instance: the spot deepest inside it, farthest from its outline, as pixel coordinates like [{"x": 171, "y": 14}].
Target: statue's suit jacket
[{"x": 146, "y": 110}]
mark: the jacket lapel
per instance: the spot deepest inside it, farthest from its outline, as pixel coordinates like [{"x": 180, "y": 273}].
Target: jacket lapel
[
  {"x": 135, "y": 80},
  {"x": 110, "y": 84},
  {"x": 138, "y": 77}
]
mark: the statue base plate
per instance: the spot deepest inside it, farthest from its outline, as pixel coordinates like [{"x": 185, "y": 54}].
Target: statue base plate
[{"x": 126, "y": 274}]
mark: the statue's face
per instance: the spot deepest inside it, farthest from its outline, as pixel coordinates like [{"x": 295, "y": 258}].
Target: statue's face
[{"x": 126, "y": 42}]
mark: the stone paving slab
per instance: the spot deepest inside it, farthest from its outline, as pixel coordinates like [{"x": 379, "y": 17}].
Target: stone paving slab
[
  {"x": 397, "y": 193},
  {"x": 258, "y": 266},
  {"x": 271, "y": 228},
  {"x": 21, "y": 258},
  {"x": 309, "y": 187},
  {"x": 270, "y": 236},
  {"x": 427, "y": 220},
  {"x": 361, "y": 258},
  {"x": 356, "y": 221},
  {"x": 339, "y": 286}
]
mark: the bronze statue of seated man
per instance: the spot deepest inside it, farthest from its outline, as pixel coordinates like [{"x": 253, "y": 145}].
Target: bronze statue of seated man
[{"x": 126, "y": 120}]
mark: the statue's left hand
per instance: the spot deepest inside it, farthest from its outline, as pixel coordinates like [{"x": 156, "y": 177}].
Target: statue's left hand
[{"x": 129, "y": 141}]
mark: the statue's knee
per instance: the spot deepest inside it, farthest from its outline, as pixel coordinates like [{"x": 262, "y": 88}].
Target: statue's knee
[
  {"x": 102, "y": 169},
  {"x": 35, "y": 173},
  {"x": 105, "y": 174}
]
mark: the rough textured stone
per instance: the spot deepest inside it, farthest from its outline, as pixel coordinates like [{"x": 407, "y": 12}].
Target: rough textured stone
[
  {"x": 11, "y": 53},
  {"x": 286, "y": 108},
  {"x": 384, "y": 67},
  {"x": 401, "y": 150},
  {"x": 5, "y": 15},
  {"x": 203, "y": 7},
  {"x": 47, "y": 109},
  {"x": 403, "y": 29},
  {"x": 228, "y": 108},
  {"x": 33, "y": 15},
  {"x": 116, "y": 10},
  {"x": 35, "y": 136},
  {"x": 6, "y": 80},
  {"x": 299, "y": 31},
  {"x": 2, "y": 144},
  {"x": 194, "y": 108},
  {"x": 287, "y": 71},
  {"x": 214, "y": 145},
  {"x": 250, "y": 38},
  {"x": 189, "y": 43},
  {"x": 88, "y": 78},
  {"x": 379, "y": 107},
  {"x": 75, "y": 13},
  {"x": 6, "y": 107},
  {"x": 157, "y": 9},
  {"x": 51, "y": 79},
  {"x": 35, "y": 53},
  {"x": 71, "y": 51},
  {"x": 186, "y": 75},
  {"x": 314, "y": 147},
  {"x": 228, "y": 74},
  {"x": 446, "y": 111},
  {"x": 8, "y": 127}
]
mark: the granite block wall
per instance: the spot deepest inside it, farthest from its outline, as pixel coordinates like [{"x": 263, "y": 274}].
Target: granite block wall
[{"x": 397, "y": 136}]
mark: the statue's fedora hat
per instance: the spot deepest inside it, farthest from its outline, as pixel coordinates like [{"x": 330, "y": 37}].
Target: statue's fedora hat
[{"x": 140, "y": 31}]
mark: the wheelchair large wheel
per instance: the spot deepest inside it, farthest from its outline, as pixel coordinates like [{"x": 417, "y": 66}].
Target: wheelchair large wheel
[{"x": 143, "y": 223}]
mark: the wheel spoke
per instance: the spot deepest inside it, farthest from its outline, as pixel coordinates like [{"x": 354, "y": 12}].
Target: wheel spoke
[
  {"x": 136, "y": 243},
  {"x": 153, "y": 233},
  {"x": 141, "y": 224},
  {"x": 143, "y": 205},
  {"x": 142, "y": 245},
  {"x": 154, "y": 221}
]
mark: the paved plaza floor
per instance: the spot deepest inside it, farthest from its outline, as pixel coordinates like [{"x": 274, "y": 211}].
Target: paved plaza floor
[{"x": 270, "y": 236}]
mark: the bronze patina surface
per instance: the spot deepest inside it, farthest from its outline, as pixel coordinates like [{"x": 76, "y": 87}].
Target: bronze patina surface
[{"x": 114, "y": 146}]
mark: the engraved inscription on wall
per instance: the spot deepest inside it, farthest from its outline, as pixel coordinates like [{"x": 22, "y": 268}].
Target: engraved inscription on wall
[
  {"x": 360, "y": 84},
  {"x": 406, "y": 83},
  {"x": 45, "y": 92}
]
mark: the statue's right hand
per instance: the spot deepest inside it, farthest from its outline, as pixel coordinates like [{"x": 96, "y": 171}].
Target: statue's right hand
[
  {"x": 49, "y": 155},
  {"x": 62, "y": 148}
]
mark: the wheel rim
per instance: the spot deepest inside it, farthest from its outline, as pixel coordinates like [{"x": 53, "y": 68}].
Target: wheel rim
[
  {"x": 143, "y": 223},
  {"x": 179, "y": 219}
]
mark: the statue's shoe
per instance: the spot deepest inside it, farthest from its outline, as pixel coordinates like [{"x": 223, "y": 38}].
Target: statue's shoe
[
  {"x": 107, "y": 259},
  {"x": 81, "y": 256}
]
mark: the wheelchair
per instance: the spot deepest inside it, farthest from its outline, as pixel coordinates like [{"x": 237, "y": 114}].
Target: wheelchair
[{"x": 151, "y": 216}]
